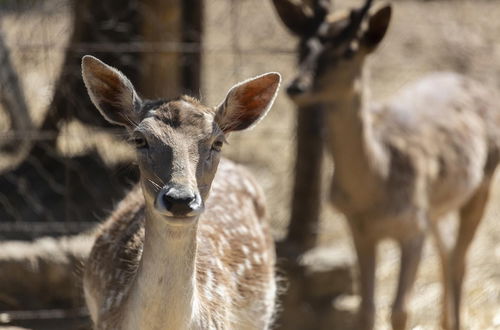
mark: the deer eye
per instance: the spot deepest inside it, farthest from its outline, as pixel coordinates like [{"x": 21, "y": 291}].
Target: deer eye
[
  {"x": 351, "y": 50},
  {"x": 139, "y": 141},
  {"x": 217, "y": 145}
]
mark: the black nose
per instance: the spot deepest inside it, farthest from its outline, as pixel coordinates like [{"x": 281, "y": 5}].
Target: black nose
[
  {"x": 295, "y": 89},
  {"x": 179, "y": 202}
]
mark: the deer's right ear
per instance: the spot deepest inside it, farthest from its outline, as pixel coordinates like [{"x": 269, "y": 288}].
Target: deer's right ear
[
  {"x": 247, "y": 102},
  {"x": 111, "y": 92},
  {"x": 299, "y": 18}
]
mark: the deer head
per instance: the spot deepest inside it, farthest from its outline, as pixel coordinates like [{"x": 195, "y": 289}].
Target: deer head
[
  {"x": 333, "y": 57},
  {"x": 178, "y": 142}
]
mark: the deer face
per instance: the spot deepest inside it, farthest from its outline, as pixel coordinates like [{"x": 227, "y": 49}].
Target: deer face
[
  {"x": 178, "y": 148},
  {"x": 332, "y": 58},
  {"x": 178, "y": 142}
]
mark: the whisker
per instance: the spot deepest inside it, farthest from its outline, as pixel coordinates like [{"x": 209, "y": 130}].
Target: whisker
[
  {"x": 157, "y": 186},
  {"x": 159, "y": 179}
]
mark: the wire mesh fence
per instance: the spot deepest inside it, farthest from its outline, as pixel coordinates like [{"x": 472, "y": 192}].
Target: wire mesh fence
[
  {"x": 64, "y": 172},
  {"x": 78, "y": 167}
]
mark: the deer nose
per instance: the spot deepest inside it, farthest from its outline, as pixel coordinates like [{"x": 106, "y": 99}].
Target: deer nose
[
  {"x": 295, "y": 88},
  {"x": 176, "y": 201}
]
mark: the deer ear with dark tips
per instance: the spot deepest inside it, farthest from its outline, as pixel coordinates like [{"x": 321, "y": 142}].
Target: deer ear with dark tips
[
  {"x": 111, "y": 92},
  {"x": 300, "y": 19},
  {"x": 247, "y": 102},
  {"x": 377, "y": 27}
]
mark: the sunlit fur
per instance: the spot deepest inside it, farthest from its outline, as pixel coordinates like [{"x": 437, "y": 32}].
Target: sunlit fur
[{"x": 148, "y": 270}]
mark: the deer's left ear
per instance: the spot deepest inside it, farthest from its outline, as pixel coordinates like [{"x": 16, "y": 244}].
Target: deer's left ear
[
  {"x": 247, "y": 102},
  {"x": 111, "y": 92}
]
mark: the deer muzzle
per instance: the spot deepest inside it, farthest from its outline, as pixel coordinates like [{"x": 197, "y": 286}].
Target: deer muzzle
[{"x": 178, "y": 202}]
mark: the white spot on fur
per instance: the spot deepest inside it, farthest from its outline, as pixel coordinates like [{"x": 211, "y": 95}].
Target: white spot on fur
[
  {"x": 219, "y": 264},
  {"x": 265, "y": 256},
  {"x": 241, "y": 269},
  {"x": 242, "y": 230}
]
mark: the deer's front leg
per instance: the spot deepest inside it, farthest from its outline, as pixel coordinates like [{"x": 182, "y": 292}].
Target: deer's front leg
[
  {"x": 470, "y": 217},
  {"x": 366, "y": 252},
  {"x": 411, "y": 252}
]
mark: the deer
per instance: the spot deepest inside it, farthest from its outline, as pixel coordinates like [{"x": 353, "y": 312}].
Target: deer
[
  {"x": 401, "y": 165},
  {"x": 189, "y": 246}
]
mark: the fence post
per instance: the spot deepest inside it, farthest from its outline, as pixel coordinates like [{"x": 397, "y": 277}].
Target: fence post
[
  {"x": 306, "y": 198},
  {"x": 307, "y": 302},
  {"x": 160, "y": 66},
  {"x": 302, "y": 19},
  {"x": 171, "y": 71},
  {"x": 192, "y": 36}
]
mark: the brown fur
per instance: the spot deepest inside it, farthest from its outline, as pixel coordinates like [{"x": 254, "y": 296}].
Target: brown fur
[
  {"x": 233, "y": 240},
  {"x": 186, "y": 249}
]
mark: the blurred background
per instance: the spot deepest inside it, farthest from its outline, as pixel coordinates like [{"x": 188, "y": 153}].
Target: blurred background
[{"x": 62, "y": 167}]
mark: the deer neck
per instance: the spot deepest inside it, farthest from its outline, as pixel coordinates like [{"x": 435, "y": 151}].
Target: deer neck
[
  {"x": 356, "y": 151},
  {"x": 164, "y": 291}
]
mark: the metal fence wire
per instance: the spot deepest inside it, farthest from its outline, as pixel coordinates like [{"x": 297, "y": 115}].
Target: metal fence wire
[
  {"x": 63, "y": 168},
  {"x": 78, "y": 165}
]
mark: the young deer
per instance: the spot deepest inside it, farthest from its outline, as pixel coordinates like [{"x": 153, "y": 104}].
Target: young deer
[
  {"x": 187, "y": 248},
  {"x": 402, "y": 165}
]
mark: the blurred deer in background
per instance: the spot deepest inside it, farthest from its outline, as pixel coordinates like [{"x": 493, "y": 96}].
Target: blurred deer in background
[
  {"x": 187, "y": 248},
  {"x": 402, "y": 165}
]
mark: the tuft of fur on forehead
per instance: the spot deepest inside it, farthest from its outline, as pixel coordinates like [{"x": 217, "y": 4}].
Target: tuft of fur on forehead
[
  {"x": 336, "y": 22},
  {"x": 339, "y": 19},
  {"x": 183, "y": 111},
  {"x": 337, "y": 16}
]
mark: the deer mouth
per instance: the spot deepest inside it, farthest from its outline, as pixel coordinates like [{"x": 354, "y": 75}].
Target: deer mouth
[
  {"x": 178, "y": 217},
  {"x": 176, "y": 220}
]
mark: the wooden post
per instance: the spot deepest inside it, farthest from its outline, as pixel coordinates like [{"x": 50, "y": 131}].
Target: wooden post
[
  {"x": 306, "y": 198},
  {"x": 307, "y": 302},
  {"x": 174, "y": 67},
  {"x": 302, "y": 19},
  {"x": 161, "y": 73},
  {"x": 192, "y": 36}
]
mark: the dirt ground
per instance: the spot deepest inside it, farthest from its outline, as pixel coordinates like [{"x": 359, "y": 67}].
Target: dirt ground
[{"x": 244, "y": 38}]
